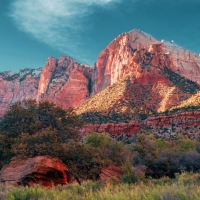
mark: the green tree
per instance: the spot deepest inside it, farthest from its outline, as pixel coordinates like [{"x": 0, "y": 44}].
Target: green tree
[
  {"x": 110, "y": 150},
  {"x": 30, "y": 129},
  {"x": 83, "y": 161},
  {"x": 42, "y": 143},
  {"x": 145, "y": 148},
  {"x": 184, "y": 144}
]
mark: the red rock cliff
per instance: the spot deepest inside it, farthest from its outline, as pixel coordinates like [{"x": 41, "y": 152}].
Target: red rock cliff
[
  {"x": 64, "y": 82},
  {"x": 19, "y": 86},
  {"x": 112, "y": 62}
]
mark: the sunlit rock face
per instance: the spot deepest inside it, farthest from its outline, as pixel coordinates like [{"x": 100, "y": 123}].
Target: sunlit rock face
[
  {"x": 113, "y": 61},
  {"x": 161, "y": 75},
  {"x": 18, "y": 86},
  {"x": 65, "y": 82}
]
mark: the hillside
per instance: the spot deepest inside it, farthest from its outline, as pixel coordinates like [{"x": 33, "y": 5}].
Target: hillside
[{"x": 149, "y": 86}]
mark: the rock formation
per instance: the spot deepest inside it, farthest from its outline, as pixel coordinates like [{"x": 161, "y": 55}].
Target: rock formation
[
  {"x": 149, "y": 85},
  {"x": 112, "y": 62},
  {"x": 19, "y": 86},
  {"x": 164, "y": 125},
  {"x": 114, "y": 129},
  {"x": 64, "y": 82},
  {"x": 134, "y": 77},
  {"x": 42, "y": 170}
]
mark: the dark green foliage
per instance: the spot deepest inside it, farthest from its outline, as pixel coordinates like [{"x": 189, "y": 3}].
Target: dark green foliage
[
  {"x": 83, "y": 161},
  {"x": 130, "y": 176},
  {"x": 165, "y": 158},
  {"x": 29, "y": 129},
  {"x": 42, "y": 143}
]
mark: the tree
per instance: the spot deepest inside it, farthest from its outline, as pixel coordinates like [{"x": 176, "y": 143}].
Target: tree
[
  {"x": 145, "y": 149},
  {"x": 83, "y": 161},
  {"x": 109, "y": 149},
  {"x": 27, "y": 126},
  {"x": 39, "y": 144}
]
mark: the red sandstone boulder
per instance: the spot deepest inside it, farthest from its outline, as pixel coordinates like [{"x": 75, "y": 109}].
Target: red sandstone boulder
[
  {"x": 111, "y": 171},
  {"x": 42, "y": 170}
]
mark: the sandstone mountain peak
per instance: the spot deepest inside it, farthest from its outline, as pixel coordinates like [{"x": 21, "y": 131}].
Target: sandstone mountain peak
[{"x": 153, "y": 76}]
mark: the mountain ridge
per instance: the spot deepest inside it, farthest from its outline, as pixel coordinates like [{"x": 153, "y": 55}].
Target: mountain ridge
[{"x": 134, "y": 77}]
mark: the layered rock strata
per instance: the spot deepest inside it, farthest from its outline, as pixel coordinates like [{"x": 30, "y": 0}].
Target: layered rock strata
[{"x": 166, "y": 126}]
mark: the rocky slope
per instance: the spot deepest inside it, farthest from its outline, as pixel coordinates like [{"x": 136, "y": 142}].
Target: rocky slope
[{"x": 149, "y": 85}]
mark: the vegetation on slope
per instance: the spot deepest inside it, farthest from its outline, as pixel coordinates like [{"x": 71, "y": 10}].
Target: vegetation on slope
[
  {"x": 120, "y": 102},
  {"x": 136, "y": 98}
]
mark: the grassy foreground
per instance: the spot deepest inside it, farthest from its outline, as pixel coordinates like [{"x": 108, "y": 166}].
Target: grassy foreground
[{"x": 185, "y": 186}]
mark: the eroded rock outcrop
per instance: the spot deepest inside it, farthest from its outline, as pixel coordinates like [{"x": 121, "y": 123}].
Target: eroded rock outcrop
[
  {"x": 114, "y": 129},
  {"x": 165, "y": 125},
  {"x": 42, "y": 170}
]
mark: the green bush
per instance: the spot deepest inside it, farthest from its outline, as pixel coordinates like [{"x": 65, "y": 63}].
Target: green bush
[
  {"x": 83, "y": 161},
  {"x": 109, "y": 149}
]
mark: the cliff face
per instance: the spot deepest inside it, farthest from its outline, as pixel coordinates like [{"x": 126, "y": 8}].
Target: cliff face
[
  {"x": 65, "y": 82},
  {"x": 112, "y": 62},
  {"x": 19, "y": 86}
]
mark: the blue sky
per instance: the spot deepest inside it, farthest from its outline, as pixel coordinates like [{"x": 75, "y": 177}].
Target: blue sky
[{"x": 33, "y": 30}]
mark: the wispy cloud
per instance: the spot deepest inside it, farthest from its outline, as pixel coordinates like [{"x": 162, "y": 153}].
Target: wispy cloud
[{"x": 57, "y": 23}]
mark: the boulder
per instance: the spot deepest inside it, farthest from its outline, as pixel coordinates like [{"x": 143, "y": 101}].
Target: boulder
[{"x": 42, "y": 170}]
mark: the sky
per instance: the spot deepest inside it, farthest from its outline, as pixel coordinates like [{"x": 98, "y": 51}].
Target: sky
[{"x": 33, "y": 30}]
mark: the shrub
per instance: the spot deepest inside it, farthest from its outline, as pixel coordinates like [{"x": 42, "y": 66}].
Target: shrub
[
  {"x": 83, "y": 161},
  {"x": 29, "y": 129},
  {"x": 109, "y": 149}
]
